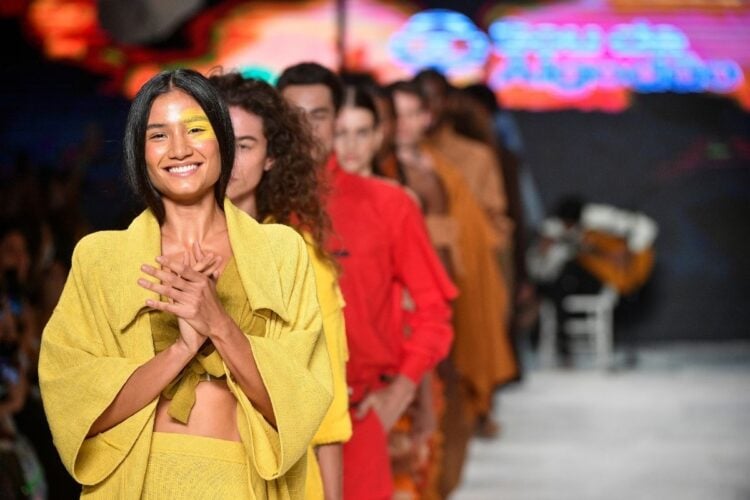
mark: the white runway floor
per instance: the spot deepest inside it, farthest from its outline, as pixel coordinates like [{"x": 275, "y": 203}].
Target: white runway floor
[{"x": 676, "y": 427}]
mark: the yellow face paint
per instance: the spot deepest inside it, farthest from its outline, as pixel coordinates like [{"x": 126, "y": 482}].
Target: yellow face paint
[{"x": 197, "y": 124}]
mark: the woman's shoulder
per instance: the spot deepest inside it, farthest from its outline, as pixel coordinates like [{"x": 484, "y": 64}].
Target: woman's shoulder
[
  {"x": 382, "y": 193},
  {"x": 117, "y": 245},
  {"x": 318, "y": 260},
  {"x": 284, "y": 246},
  {"x": 99, "y": 245},
  {"x": 326, "y": 277},
  {"x": 281, "y": 236}
]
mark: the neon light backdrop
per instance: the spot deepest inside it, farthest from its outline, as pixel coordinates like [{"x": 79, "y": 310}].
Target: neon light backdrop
[{"x": 585, "y": 54}]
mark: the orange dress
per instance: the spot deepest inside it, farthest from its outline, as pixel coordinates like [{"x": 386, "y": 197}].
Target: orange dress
[
  {"x": 482, "y": 351},
  {"x": 482, "y": 356}
]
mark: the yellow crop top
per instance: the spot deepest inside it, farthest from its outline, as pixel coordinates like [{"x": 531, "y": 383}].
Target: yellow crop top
[{"x": 181, "y": 391}]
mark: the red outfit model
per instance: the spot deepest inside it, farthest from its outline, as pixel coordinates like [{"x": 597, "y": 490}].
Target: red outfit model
[
  {"x": 380, "y": 241},
  {"x": 382, "y": 245}
]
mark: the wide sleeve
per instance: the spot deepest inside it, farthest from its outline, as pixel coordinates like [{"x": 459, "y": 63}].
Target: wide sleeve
[
  {"x": 80, "y": 374},
  {"x": 295, "y": 368},
  {"x": 419, "y": 269},
  {"x": 336, "y": 426}
]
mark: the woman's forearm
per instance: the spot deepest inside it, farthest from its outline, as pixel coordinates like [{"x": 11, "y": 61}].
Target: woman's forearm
[
  {"x": 143, "y": 386},
  {"x": 424, "y": 392},
  {"x": 330, "y": 460},
  {"x": 236, "y": 351}
]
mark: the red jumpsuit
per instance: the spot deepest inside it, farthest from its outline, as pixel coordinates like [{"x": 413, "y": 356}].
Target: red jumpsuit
[{"x": 380, "y": 240}]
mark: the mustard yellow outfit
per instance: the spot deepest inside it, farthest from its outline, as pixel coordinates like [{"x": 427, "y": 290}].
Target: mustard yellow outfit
[
  {"x": 100, "y": 333},
  {"x": 337, "y": 425},
  {"x": 185, "y": 467}
]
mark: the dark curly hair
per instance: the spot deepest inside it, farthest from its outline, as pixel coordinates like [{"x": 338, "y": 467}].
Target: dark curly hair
[{"x": 292, "y": 191}]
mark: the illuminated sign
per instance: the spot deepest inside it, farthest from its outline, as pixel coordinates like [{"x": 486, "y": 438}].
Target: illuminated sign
[
  {"x": 442, "y": 39},
  {"x": 584, "y": 54},
  {"x": 543, "y": 65},
  {"x": 638, "y": 56}
]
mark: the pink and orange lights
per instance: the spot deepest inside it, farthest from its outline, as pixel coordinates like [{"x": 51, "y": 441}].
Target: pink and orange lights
[{"x": 590, "y": 55}]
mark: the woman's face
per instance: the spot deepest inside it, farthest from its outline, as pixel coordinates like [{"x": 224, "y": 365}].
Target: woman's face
[
  {"x": 182, "y": 153},
  {"x": 251, "y": 158},
  {"x": 412, "y": 119},
  {"x": 357, "y": 140}
]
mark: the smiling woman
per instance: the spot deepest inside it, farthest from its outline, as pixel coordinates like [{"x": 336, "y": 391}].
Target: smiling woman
[
  {"x": 169, "y": 124},
  {"x": 194, "y": 334},
  {"x": 182, "y": 153}
]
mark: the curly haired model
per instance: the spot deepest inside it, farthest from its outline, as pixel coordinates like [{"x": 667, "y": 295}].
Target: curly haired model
[
  {"x": 274, "y": 177},
  {"x": 290, "y": 192}
]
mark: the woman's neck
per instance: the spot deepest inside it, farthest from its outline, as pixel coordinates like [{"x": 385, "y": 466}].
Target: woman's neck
[
  {"x": 188, "y": 224},
  {"x": 247, "y": 204},
  {"x": 365, "y": 170}
]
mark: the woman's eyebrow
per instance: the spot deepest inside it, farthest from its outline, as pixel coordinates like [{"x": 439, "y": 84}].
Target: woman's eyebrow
[{"x": 195, "y": 118}]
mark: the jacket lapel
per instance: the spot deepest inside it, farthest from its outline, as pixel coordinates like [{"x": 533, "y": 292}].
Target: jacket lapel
[{"x": 256, "y": 264}]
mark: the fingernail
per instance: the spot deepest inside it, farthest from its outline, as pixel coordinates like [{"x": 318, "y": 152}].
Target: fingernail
[
  {"x": 146, "y": 268},
  {"x": 159, "y": 259},
  {"x": 149, "y": 302},
  {"x": 142, "y": 282}
]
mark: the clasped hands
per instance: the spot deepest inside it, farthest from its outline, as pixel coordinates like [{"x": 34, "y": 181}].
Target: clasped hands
[{"x": 189, "y": 284}]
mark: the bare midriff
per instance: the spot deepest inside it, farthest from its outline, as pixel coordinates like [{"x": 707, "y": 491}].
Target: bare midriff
[{"x": 214, "y": 414}]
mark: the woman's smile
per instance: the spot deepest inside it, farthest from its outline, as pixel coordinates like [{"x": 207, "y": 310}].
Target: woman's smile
[{"x": 183, "y": 169}]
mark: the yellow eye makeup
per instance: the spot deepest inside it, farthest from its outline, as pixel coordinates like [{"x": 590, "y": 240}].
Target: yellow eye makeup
[{"x": 197, "y": 124}]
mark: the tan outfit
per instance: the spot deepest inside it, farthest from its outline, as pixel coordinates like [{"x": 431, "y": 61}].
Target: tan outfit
[
  {"x": 478, "y": 164},
  {"x": 482, "y": 355}
]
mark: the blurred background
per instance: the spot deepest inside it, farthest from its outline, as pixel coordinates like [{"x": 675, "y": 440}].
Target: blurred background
[{"x": 639, "y": 104}]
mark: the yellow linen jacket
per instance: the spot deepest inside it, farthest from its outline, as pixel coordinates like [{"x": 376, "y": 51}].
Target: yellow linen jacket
[
  {"x": 336, "y": 426},
  {"x": 100, "y": 333}
]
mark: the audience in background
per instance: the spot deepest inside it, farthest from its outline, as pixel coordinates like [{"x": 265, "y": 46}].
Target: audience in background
[{"x": 40, "y": 222}]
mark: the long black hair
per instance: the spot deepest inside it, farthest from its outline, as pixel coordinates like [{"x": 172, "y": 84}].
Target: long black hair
[
  {"x": 134, "y": 144},
  {"x": 355, "y": 96}
]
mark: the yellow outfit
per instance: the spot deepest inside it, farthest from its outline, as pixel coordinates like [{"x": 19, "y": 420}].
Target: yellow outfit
[
  {"x": 98, "y": 336},
  {"x": 185, "y": 467},
  {"x": 165, "y": 330},
  {"x": 337, "y": 425}
]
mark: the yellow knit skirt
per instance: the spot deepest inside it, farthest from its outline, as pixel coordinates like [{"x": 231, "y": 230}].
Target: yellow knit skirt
[{"x": 184, "y": 467}]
